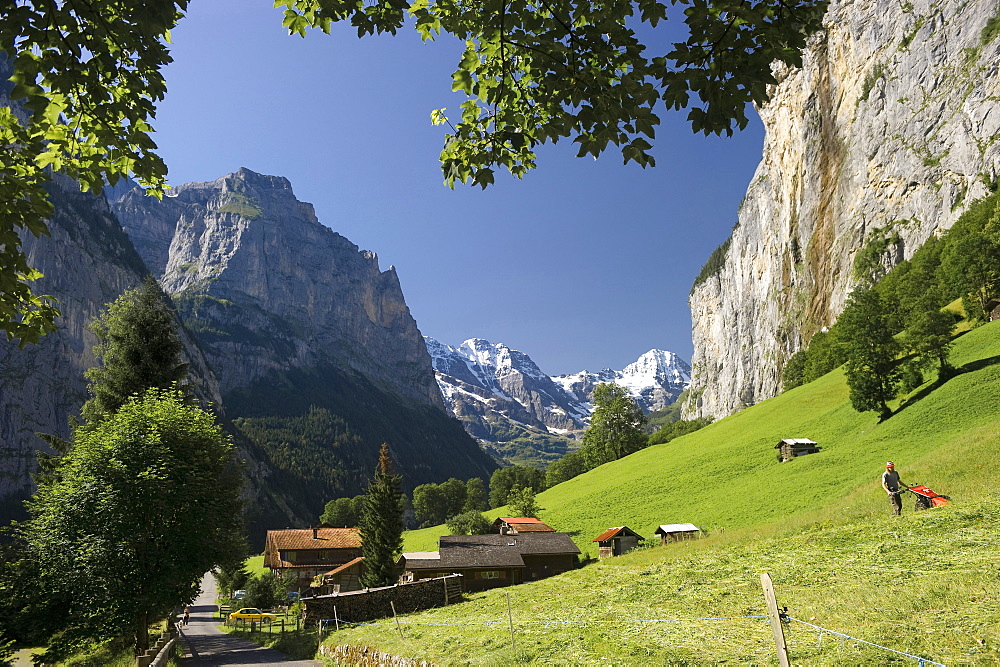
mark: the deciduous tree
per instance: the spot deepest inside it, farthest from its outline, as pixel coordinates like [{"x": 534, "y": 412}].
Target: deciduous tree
[
  {"x": 147, "y": 502},
  {"x": 616, "y": 426},
  {"x": 522, "y": 503},
  {"x": 872, "y": 371},
  {"x": 504, "y": 480}
]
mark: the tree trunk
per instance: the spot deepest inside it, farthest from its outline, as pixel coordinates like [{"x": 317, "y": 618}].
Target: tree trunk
[{"x": 141, "y": 632}]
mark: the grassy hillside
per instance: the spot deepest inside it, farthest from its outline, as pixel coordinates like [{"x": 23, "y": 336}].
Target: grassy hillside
[
  {"x": 727, "y": 476},
  {"x": 924, "y": 583}
]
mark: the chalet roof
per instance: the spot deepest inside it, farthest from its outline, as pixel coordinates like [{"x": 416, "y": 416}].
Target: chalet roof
[
  {"x": 676, "y": 528},
  {"x": 532, "y": 544},
  {"x": 420, "y": 560},
  {"x": 345, "y": 566},
  {"x": 524, "y": 524},
  {"x": 620, "y": 531},
  {"x": 480, "y": 553},
  {"x": 301, "y": 539},
  {"x": 794, "y": 441}
]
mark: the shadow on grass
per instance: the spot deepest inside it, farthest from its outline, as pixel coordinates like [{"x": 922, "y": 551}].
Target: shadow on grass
[{"x": 971, "y": 367}]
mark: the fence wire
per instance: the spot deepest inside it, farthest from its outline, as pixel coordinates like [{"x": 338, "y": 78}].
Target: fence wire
[
  {"x": 846, "y": 637},
  {"x": 923, "y": 662}
]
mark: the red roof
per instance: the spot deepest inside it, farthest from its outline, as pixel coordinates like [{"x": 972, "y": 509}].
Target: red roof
[
  {"x": 616, "y": 532},
  {"x": 524, "y": 524}
]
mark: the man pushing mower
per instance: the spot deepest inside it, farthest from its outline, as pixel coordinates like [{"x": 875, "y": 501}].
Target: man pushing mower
[{"x": 926, "y": 497}]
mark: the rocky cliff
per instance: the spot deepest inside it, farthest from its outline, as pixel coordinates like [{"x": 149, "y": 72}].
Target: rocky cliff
[
  {"x": 243, "y": 250},
  {"x": 318, "y": 358},
  {"x": 885, "y": 135}
]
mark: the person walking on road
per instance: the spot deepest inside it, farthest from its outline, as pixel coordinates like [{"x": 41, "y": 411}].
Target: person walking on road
[
  {"x": 893, "y": 487},
  {"x": 187, "y": 615}
]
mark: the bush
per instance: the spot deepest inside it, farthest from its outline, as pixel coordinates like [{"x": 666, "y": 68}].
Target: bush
[{"x": 469, "y": 523}]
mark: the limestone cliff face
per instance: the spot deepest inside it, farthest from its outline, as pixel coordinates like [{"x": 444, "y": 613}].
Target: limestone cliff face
[
  {"x": 242, "y": 254},
  {"x": 889, "y": 130}
]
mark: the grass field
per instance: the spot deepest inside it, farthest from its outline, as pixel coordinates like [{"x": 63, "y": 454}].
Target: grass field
[{"x": 924, "y": 584}]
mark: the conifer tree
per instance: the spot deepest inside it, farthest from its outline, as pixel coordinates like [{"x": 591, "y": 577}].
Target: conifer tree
[
  {"x": 139, "y": 349},
  {"x": 382, "y": 525}
]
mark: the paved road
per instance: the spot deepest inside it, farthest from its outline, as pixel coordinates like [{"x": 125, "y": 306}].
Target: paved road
[{"x": 208, "y": 645}]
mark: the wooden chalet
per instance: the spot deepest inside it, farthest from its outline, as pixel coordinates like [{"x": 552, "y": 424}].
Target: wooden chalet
[
  {"x": 490, "y": 561},
  {"x": 507, "y": 525},
  {"x": 342, "y": 579},
  {"x": 309, "y": 552},
  {"x": 675, "y": 532},
  {"x": 616, "y": 541},
  {"x": 789, "y": 448}
]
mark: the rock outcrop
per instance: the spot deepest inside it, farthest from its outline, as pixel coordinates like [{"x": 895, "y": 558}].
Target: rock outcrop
[
  {"x": 886, "y": 134},
  {"x": 269, "y": 288}
]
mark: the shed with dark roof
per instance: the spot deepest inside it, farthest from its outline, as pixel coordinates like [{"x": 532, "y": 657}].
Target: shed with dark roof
[
  {"x": 489, "y": 561},
  {"x": 616, "y": 541}
]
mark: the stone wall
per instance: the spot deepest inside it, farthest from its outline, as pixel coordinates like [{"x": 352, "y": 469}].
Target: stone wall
[
  {"x": 372, "y": 604},
  {"x": 363, "y": 656}
]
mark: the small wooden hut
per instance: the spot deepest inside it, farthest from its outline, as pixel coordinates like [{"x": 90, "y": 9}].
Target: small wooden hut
[
  {"x": 675, "y": 532},
  {"x": 616, "y": 541},
  {"x": 789, "y": 448}
]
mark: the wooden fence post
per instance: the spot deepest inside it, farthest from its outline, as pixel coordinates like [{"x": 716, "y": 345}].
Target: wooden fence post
[
  {"x": 776, "y": 627},
  {"x": 510, "y": 619},
  {"x": 398, "y": 629}
]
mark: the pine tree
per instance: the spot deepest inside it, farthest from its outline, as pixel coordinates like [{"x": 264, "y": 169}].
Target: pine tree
[
  {"x": 382, "y": 525},
  {"x": 139, "y": 349}
]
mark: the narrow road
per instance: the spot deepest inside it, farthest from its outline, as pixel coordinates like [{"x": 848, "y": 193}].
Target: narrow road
[{"x": 210, "y": 646}]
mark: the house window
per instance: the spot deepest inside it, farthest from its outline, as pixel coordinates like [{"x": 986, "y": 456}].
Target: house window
[{"x": 489, "y": 574}]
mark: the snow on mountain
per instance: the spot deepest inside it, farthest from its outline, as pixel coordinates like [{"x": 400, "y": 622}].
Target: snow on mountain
[
  {"x": 654, "y": 380},
  {"x": 500, "y": 394}
]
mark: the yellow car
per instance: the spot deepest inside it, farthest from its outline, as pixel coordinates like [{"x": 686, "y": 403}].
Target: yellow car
[{"x": 251, "y": 615}]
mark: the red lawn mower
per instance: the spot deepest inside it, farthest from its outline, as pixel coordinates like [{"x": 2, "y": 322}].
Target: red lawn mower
[{"x": 927, "y": 498}]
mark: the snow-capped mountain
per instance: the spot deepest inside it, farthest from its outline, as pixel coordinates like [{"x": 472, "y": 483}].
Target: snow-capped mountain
[
  {"x": 655, "y": 380},
  {"x": 501, "y": 395}
]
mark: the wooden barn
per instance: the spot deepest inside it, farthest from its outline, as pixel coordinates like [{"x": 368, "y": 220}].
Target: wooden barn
[
  {"x": 616, "y": 541},
  {"x": 508, "y": 525},
  {"x": 675, "y": 532},
  {"x": 789, "y": 448}
]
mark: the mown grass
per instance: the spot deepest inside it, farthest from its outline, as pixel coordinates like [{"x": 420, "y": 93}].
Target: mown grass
[
  {"x": 255, "y": 565},
  {"x": 924, "y": 583}
]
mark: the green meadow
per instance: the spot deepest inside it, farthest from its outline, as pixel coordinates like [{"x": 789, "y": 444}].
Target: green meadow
[{"x": 924, "y": 584}]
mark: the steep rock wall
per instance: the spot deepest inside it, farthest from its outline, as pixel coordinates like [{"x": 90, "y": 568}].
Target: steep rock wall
[
  {"x": 243, "y": 253},
  {"x": 889, "y": 128}
]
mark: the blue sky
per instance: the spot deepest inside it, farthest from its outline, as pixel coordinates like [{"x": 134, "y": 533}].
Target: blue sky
[{"x": 583, "y": 264}]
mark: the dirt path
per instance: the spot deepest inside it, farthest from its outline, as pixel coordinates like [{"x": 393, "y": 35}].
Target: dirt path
[{"x": 207, "y": 645}]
